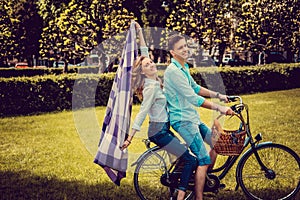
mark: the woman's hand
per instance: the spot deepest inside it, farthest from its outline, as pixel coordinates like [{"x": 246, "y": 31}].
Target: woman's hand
[
  {"x": 137, "y": 26},
  {"x": 125, "y": 144}
]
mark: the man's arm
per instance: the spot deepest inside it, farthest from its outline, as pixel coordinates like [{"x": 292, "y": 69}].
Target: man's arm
[
  {"x": 209, "y": 93},
  {"x": 177, "y": 80},
  {"x": 204, "y": 92}
]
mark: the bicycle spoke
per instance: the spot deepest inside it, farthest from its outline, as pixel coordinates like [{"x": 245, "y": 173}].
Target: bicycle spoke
[
  {"x": 280, "y": 178},
  {"x": 148, "y": 174}
]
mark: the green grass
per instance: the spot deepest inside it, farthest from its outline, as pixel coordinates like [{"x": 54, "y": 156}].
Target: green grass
[{"x": 44, "y": 156}]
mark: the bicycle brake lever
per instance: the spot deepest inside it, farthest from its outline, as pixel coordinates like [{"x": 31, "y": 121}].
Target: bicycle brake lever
[
  {"x": 231, "y": 98},
  {"x": 233, "y": 108}
]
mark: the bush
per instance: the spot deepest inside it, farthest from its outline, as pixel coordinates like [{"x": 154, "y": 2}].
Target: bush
[
  {"x": 47, "y": 93},
  {"x": 245, "y": 80},
  {"x": 29, "y": 72},
  {"x": 28, "y": 95}
]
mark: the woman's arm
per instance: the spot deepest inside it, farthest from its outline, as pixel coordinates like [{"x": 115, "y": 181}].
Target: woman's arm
[
  {"x": 148, "y": 99},
  {"x": 127, "y": 142},
  {"x": 140, "y": 34},
  {"x": 143, "y": 46}
]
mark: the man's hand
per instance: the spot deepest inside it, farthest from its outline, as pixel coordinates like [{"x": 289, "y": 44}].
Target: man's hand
[
  {"x": 223, "y": 98},
  {"x": 226, "y": 110}
]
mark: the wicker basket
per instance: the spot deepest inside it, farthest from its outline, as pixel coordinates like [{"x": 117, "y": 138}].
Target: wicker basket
[{"x": 228, "y": 142}]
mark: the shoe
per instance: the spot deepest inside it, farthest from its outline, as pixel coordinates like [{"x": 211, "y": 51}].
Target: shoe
[
  {"x": 174, "y": 195},
  {"x": 222, "y": 186}
]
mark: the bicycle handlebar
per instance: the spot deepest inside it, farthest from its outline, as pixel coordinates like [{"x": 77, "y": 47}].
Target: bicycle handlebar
[
  {"x": 237, "y": 108},
  {"x": 235, "y": 98}
]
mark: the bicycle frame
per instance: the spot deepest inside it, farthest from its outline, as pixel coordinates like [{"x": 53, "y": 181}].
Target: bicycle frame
[
  {"x": 252, "y": 148},
  {"x": 224, "y": 169},
  {"x": 231, "y": 159}
]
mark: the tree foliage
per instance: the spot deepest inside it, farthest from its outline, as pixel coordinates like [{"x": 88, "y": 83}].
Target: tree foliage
[
  {"x": 70, "y": 29},
  {"x": 75, "y": 28},
  {"x": 208, "y": 21},
  {"x": 269, "y": 25},
  {"x": 8, "y": 27},
  {"x": 20, "y": 25}
]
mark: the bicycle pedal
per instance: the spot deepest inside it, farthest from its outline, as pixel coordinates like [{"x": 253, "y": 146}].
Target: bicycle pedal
[{"x": 222, "y": 186}]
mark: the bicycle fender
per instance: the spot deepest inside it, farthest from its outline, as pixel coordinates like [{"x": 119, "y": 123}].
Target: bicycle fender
[
  {"x": 250, "y": 150},
  {"x": 142, "y": 156}
]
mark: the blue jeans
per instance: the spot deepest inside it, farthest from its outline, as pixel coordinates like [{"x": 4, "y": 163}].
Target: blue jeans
[
  {"x": 160, "y": 134},
  {"x": 195, "y": 135}
]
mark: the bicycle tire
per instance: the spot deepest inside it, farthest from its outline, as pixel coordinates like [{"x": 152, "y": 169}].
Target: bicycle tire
[
  {"x": 151, "y": 166},
  {"x": 282, "y": 180}
]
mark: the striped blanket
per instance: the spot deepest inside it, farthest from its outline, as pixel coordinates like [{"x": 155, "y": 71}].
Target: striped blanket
[{"x": 118, "y": 112}]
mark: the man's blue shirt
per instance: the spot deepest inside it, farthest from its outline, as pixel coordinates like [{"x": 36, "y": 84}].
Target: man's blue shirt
[{"x": 181, "y": 92}]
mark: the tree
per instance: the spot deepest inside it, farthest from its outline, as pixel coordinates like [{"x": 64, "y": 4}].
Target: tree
[
  {"x": 207, "y": 21},
  {"x": 19, "y": 30},
  {"x": 80, "y": 26},
  {"x": 269, "y": 25},
  {"x": 51, "y": 37},
  {"x": 8, "y": 25}
]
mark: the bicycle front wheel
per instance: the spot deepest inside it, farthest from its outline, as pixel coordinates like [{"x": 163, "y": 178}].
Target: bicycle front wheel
[{"x": 279, "y": 180}]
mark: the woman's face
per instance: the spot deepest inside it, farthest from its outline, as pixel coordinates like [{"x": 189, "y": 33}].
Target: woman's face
[{"x": 149, "y": 68}]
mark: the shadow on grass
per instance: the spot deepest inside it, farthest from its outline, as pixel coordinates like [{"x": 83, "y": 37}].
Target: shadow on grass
[{"x": 25, "y": 185}]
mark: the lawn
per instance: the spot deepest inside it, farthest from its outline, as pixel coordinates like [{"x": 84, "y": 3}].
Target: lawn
[{"x": 50, "y": 156}]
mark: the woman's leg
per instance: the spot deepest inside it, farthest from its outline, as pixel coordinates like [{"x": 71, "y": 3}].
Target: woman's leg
[{"x": 166, "y": 139}]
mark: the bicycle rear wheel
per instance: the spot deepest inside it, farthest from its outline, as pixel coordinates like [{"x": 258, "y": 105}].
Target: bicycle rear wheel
[
  {"x": 148, "y": 172},
  {"x": 280, "y": 181}
]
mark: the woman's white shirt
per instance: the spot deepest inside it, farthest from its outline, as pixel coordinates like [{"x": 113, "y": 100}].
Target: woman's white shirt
[{"x": 154, "y": 103}]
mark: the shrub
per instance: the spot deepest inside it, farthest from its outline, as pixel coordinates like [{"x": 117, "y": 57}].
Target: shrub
[
  {"x": 244, "y": 80},
  {"x": 28, "y": 95},
  {"x": 46, "y": 93}
]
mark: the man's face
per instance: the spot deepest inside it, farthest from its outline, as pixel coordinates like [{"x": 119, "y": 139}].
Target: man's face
[{"x": 180, "y": 50}]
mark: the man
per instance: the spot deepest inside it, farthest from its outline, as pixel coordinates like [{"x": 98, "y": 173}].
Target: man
[{"x": 183, "y": 94}]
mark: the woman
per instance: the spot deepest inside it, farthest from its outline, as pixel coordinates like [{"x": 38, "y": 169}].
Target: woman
[{"x": 148, "y": 87}]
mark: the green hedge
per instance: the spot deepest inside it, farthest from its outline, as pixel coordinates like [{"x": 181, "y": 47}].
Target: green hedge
[
  {"x": 47, "y": 93},
  {"x": 28, "y": 95},
  {"x": 245, "y": 80},
  {"x": 29, "y": 72}
]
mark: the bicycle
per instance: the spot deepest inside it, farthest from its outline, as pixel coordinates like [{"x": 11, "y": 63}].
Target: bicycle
[{"x": 262, "y": 166}]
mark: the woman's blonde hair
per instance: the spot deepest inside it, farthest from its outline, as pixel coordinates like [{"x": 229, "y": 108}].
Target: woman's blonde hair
[{"x": 138, "y": 79}]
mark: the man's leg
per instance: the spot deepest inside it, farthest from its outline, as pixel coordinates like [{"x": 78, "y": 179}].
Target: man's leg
[
  {"x": 200, "y": 181},
  {"x": 204, "y": 161},
  {"x": 206, "y": 134},
  {"x": 213, "y": 157},
  {"x": 190, "y": 133},
  {"x": 180, "y": 195}
]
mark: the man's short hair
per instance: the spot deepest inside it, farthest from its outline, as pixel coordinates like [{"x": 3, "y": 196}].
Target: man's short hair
[{"x": 173, "y": 39}]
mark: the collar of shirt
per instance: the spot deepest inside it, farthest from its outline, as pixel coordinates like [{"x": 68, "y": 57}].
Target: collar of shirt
[
  {"x": 177, "y": 64},
  {"x": 184, "y": 70},
  {"x": 151, "y": 81}
]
